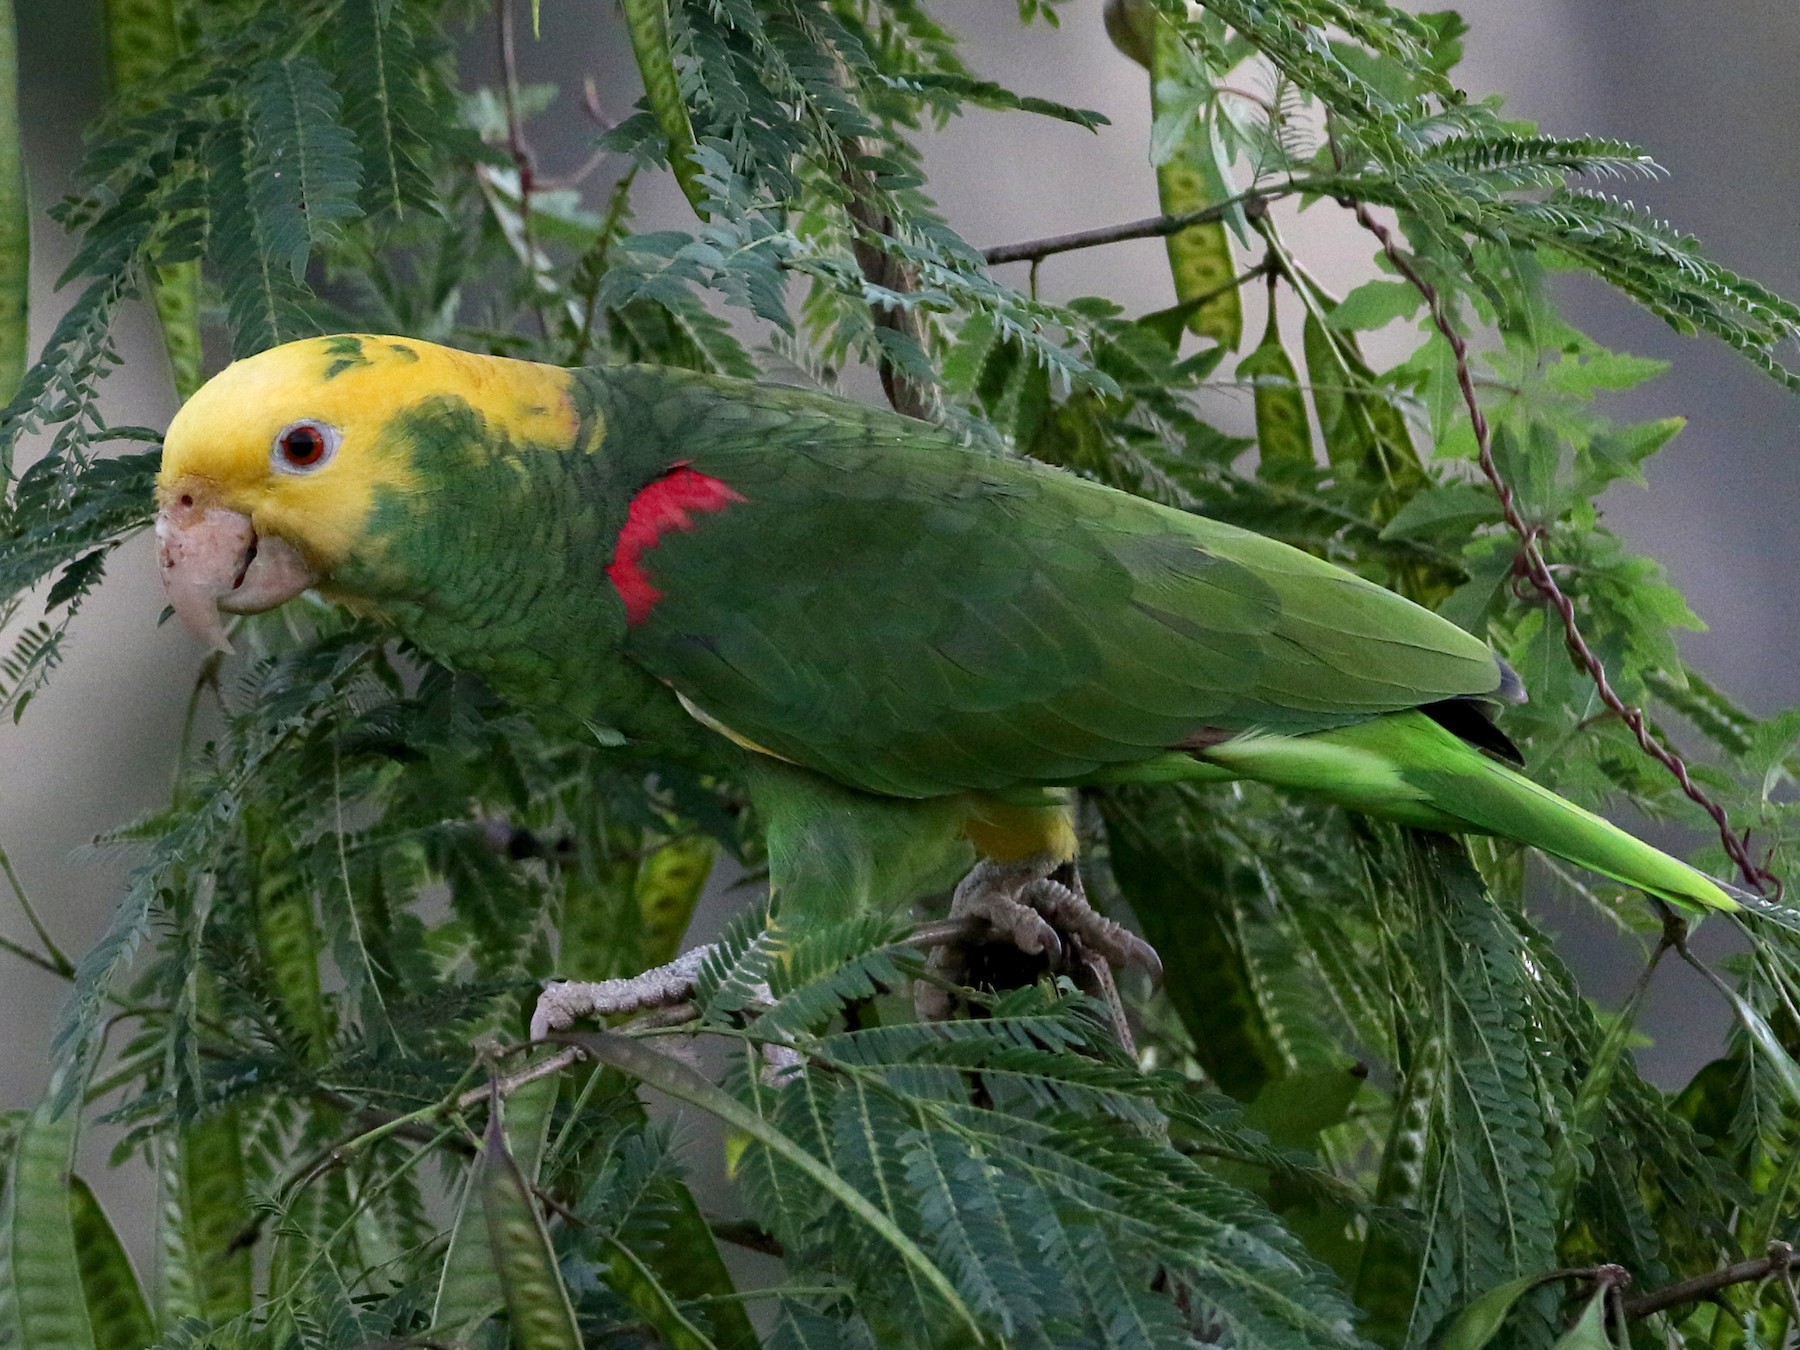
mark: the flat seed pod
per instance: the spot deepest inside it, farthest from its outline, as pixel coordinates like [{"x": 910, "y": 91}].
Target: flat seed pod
[
  {"x": 43, "y": 1305},
  {"x": 1200, "y": 257},
  {"x": 287, "y": 937},
  {"x": 648, "y": 23},
  {"x": 203, "y": 1208},
  {"x": 470, "y": 1289},
  {"x": 115, "y": 1300},
  {"x": 669, "y": 883},
  {"x": 537, "y": 1303},
  {"x": 1283, "y": 437}
]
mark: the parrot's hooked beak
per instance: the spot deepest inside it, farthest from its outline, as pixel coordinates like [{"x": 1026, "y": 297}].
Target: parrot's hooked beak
[{"x": 213, "y": 560}]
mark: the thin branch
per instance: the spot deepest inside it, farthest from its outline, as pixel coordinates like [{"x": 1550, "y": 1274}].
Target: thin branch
[
  {"x": 1264, "y": 268},
  {"x": 869, "y": 226},
  {"x": 751, "y": 1237},
  {"x": 1252, "y": 203},
  {"x": 43, "y": 963},
  {"x": 59, "y": 962},
  {"x": 1778, "y": 1262},
  {"x": 520, "y": 150},
  {"x": 1535, "y": 570},
  {"x": 501, "y": 1088}
]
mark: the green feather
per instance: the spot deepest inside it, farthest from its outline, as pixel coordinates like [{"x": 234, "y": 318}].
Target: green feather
[
  {"x": 900, "y": 616},
  {"x": 1406, "y": 768}
]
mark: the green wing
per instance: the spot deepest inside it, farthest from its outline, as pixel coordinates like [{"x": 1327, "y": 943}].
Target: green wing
[{"x": 915, "y": 618}]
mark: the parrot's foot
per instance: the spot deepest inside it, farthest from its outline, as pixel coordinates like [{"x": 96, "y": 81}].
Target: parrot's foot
[
  {"x": 560, "y": 1005},
  {"x": 1040, "y": 908}
]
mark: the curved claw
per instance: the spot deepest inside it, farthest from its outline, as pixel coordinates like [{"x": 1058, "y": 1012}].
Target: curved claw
[
  {"x": 1068, "y": 910},
  {"x": 1038, "y": 907}
]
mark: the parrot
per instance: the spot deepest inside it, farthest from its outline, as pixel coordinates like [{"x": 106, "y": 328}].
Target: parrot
[{"x": 912, "y": 649}]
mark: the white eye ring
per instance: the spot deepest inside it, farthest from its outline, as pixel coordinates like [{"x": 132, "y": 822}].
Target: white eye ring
[{"x": 305, "y": 446}]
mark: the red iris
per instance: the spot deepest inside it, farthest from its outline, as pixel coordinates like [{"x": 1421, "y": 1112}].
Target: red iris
[{"x": 303, "y": 446}]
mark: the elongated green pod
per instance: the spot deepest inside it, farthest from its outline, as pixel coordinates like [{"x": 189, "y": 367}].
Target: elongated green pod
[
  {"x": 175, "y": 291},
  {"x": 1200, "y": 257},
  {"x": 15, "y": 216},
  {"x": 1362, "y": 430},
  {"x": 143, "y": 43},
  {"x": 594, "y": 938},
  {"x": 648, "y": 23},
  {"x": 287, "y": 939},
  {"x": 537, "y": 1302},
  {"x": 669, "y": 882},
  {"x": 1283, "y": 436},
  {"x": 469, "y": 1288},
  {"x": 43, "y": 1305},
  {"x": 633, "y": 1278},
  {"x": 203, "y": 1209},
  {"x": 115, "y": 1300},
  {"x": 1388, "y": 1280},
  {"x": 526, "y": 1120},
  {"x": 688, "y": 1263}
]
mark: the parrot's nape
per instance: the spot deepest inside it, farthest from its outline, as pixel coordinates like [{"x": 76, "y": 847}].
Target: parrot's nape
[{"x": 910, "y": 649}]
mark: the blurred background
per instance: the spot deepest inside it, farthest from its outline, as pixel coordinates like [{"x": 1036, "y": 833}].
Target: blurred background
[{"x": 1706, "y": 90}]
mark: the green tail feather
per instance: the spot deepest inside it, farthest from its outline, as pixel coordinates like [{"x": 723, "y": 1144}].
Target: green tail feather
[{"x": 1408, "y": 769}]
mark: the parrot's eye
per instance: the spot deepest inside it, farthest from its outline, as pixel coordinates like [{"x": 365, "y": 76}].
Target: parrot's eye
[{"x": 304, "y": 446}]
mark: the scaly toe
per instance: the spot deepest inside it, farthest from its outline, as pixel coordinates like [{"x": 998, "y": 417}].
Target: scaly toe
[
  {"x": 1068, "y": 909},
  {"x": 564, "y": 1003}
]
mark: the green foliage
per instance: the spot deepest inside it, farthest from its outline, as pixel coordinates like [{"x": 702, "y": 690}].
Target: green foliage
[{"x": 1371, "y": 1104}]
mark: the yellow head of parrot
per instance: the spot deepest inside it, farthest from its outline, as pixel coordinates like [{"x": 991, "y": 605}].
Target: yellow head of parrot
[{"x": 270, "y": 472}]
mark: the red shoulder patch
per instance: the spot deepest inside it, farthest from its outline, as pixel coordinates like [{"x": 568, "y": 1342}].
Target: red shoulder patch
[{"x": 667, "y": 504}]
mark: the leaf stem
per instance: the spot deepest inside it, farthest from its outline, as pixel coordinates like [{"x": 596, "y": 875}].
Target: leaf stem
[
  {"x": 57, "y": 962},
  {"x": 1253, "y": 203}
]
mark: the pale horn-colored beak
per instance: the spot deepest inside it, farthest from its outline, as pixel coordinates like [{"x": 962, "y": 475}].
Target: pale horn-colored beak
[{"x": 213, "y": 560}]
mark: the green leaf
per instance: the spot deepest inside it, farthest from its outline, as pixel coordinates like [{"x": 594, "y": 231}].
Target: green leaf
[
  {"x": 303, "y": 172},
  {"x": 1375, "y": 304},
  {"x": 264, "y": 303},
  {"x": 1589, "y": 1331},
  {"x": 1453, "y": 508},
  {"x": 385, "y": 106},
  {"x": 1477, "y": 1325},
  {"x": 684, "y": 1084},
  {"x": 987, "y": 94}
]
